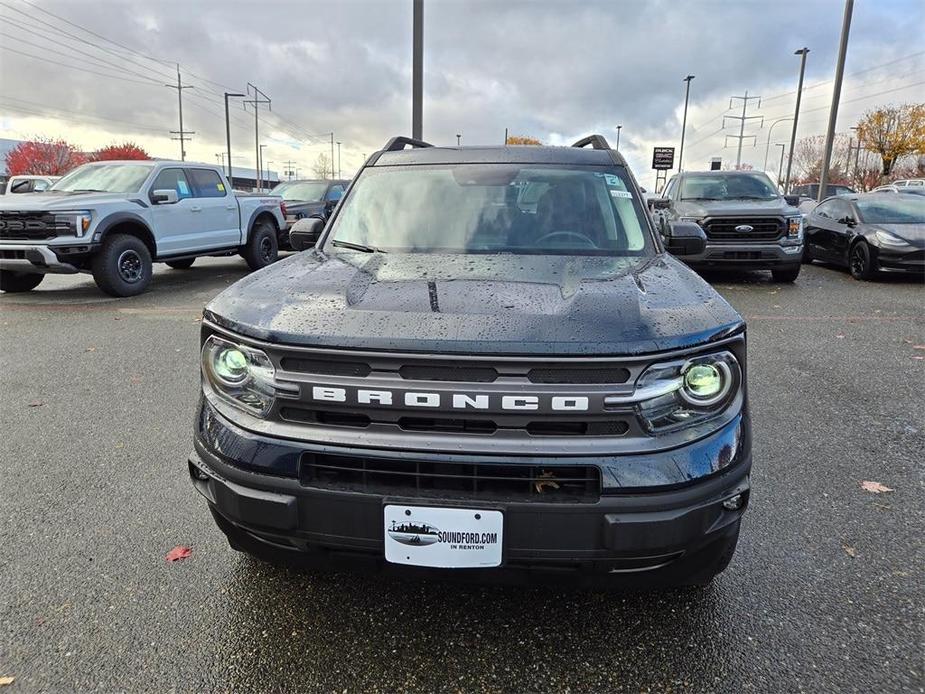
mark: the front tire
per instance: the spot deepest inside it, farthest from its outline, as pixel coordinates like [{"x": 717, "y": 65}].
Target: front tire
[
  {"x": 184, "y": 264},
  {"x": 123, "y": 266},
  {"x": 262, "y": 247},
  {"x": 786, "y": 274},
  {"x": 14, "y": 282},
  {"x": 860, "y": 263}
]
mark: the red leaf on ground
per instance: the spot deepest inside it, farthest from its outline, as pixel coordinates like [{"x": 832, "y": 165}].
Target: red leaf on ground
[
  {"x": 179, "y": 553},
  {"x": 36, "y": 403},
  {"x": 874, "y": 487}
]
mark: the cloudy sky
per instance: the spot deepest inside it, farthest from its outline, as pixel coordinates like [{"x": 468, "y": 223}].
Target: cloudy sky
[{"x": 553, "y": 70}]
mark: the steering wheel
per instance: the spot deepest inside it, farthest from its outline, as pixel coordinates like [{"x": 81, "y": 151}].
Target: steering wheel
[{"x": 553, "y": 235}]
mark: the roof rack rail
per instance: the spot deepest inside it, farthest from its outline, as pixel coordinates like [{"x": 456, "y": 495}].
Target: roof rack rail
[
  {"x": 596, "y": 142},
  {"x": 398, "y": 143}
]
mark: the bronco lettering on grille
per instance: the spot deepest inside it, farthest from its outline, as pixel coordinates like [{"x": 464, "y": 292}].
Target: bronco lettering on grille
[{"x": 452, "y": 401}]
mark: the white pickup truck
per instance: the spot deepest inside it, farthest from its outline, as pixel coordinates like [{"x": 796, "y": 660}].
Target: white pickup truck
[{"x": 115, "y": 218}]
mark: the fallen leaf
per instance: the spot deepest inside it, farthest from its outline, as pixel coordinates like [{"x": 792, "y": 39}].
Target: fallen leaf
[
  {"x": 179, "y": 553},
  {"x": 918, "y": 358},
  {"x": 135, "y": 379},
  {"x": 546, "y": 479},
  {"x": 90, "y": 349},
  {"x": 4, "y": 681},
  {"x": 840, "y": 336},
  {"x": 36, "y": 403},
  {"x": 874, "y": 487},
  {"x": 850, "y": 551},
  {"x": 918, "y": 346}
]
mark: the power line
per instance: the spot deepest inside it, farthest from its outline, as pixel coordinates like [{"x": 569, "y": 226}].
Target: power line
[
  {"x": 181, "y": 134},
  {"x": 73, "y": 67},
  {"x": 49, "y": 111},
  {"x": 742, "y": 120}
]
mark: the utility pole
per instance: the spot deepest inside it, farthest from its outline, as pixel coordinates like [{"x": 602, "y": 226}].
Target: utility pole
[
  {"x": 687, "y": 96},
  {"x": 289, "y": 165},
  {"x": 836, "y": 96},
  {"x": 181, "y": 134},
  {"x": 260, "y": 166},
  {"x": 417, "y": 69},
  {"x": 742, "y": 119},
  {"x": 338, "y": 158},
  {"x": 228, "y": 132},
  {"x": 258, "y": 97},
  {"x": 505, "y": 137},
  {"x": 332, "y": 155},
  {"x": 796, "y": 114},
  {"x": 619, "y": 128},
  {"x": 220, "y": 157}
]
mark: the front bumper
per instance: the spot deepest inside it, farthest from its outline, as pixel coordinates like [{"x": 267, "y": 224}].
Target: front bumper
[
  {"x": 757, "y": 256},
  {"x": 900, "y": 261},
  {"x": 28, "y": 257},
  {"x": 631, "y": 530}
]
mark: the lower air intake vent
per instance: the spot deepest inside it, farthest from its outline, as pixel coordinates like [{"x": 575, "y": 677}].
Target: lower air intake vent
[{"x": 487, "y": 481}]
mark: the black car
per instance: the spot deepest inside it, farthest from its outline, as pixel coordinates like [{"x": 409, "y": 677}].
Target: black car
[
  {"x": 308, "y": 198},
  {"x": 749, "y": 225},
  {"x": 489, "y": 365},
  {"x": 868, "y": 233}
]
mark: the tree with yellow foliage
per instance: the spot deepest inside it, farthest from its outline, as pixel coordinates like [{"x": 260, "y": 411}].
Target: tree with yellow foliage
[
  {"x": 893, "y": 132},
  {"x": 522, "y": 140}
]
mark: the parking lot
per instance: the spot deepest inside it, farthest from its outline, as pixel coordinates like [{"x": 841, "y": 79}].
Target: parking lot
[{"x": 825, "y": 592}]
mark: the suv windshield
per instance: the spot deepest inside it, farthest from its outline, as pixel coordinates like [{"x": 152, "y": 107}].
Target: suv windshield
[
  {"x": 301, "y": 191},
  {"x": 740, "y": 186},
  {"x": 494, "y": 208},
  {"x": 899, "y": 209},
  {"x": 105, "y": 178}
]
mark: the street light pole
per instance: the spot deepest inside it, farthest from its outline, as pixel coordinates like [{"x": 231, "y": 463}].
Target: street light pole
[
  {"x": 796, "y": 115},
  {"x": 619, "y": 128},
  {"x": 687, "y": 96},
  {"x": 836, "y": 97},
  {"x": 780, "y": 168},
  {"x": 338, "y": 159},
  {"x": 228, "y": 132},
  {"x": 768, "y": 146},
  {"x": 260, "y": 171},
  {"x": 458, "y": 138}
]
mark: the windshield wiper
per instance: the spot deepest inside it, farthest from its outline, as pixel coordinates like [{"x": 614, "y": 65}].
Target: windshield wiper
[
  {"x": 356, "y": 246},
  {"x": 88, "y": 190},
  {"x": 703, "y": 198},
  {"x": 752, "y": 197}
]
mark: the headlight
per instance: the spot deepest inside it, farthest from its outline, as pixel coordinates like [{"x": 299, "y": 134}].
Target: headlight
[
  {"x": 689, "y": 391},
  {"x": 239, "y": 374},
  {"x": 795, "y": 227},
  {"x": 76, "y": 221},
  {"x": 887, "y": 239}
]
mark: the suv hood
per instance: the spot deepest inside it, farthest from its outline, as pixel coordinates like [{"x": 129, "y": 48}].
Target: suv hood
[
  {"x": 486, "y": 304},
  {"x": 53, "y": 200},
  {"x": 735, "y": 208}
]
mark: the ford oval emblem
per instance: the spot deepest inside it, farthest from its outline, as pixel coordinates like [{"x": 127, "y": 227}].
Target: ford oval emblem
[{"x": 744, "y": 228}]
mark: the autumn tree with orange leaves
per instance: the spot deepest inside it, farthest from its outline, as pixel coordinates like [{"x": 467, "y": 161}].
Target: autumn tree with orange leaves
[
  {"x": 44, "y": 157},
  {"x": 125, "y": 151},
  {"x": 893, "y": 132}
]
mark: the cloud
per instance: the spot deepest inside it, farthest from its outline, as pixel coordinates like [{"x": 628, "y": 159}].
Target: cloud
[{"x": 554, "y": 70}]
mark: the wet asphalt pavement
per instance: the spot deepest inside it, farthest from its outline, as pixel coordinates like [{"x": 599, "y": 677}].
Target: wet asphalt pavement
[{"x": 825, "y": 592}]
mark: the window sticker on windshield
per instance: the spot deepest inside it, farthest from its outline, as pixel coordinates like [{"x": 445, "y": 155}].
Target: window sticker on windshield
[
  {"x": 221, "y": 187},
  {"x": 621, "y": 194},
  {"x": 182, "y": 187},
  {"x": 612, "y": 180}
]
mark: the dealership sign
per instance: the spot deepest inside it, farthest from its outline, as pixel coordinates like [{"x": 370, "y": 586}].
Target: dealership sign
[{"x": 663, "y": 158}]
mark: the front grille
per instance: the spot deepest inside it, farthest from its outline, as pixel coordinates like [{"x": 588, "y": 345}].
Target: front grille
[
  {"x": 447, "y": 480},
  {"x": 763, "y": 229},
  {"x": 31, "y": 226}
]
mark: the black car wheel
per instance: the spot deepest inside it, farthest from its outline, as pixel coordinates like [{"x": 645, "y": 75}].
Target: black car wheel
[
  {"x": 12, "y": 281},
  {"x": 860, "y": 263},
  {"x": 123, "y": 266},
  {"x": 786, "y": 274},
  {"x": 262, "y": 247}
]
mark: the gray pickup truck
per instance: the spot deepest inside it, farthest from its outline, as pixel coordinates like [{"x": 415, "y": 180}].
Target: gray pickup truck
[
  {"x": 748, "y": 223},
  {"x": 114, "y": 219}
]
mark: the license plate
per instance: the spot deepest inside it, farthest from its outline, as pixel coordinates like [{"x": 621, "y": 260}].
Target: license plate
[{"x": 445, "y": 538}]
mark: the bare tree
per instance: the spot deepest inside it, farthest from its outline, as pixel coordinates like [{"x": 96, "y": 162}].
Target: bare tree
[{"x": 322, "y": 166}]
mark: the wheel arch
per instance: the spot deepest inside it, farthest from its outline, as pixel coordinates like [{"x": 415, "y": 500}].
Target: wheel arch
[{"x": 130, "y": 224}]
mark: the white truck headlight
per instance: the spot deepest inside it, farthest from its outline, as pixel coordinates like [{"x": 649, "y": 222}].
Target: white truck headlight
[{"x": 76, "y": 221}]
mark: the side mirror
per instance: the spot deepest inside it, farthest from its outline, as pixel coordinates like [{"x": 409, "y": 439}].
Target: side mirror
[
  {"x": 847, "y": 221},
  {"x": 685, "y": 238},
  {"x": 304, "y": 233},
  {"x": 659, "y": 203},
  {"x": 643, "y": 191},
  {"x": 168, "y": 196},
  {"x": 792, "y": 200}
]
